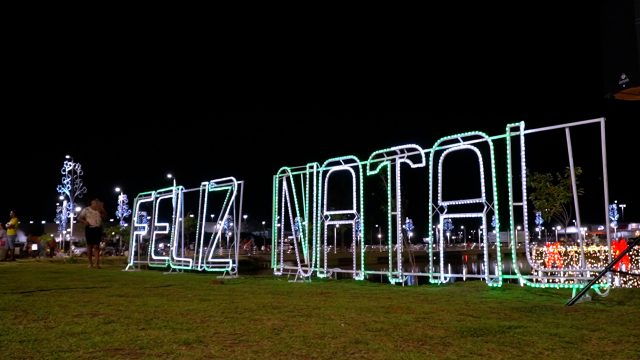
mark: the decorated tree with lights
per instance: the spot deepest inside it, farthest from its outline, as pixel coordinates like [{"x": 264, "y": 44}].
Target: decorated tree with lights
[
  {"x": 539, "y": 222},
  {"x": 552, "y": 195},
  {"x": 613, "y": 216},
  {"x": 70, "y": 189},
  {"x": 123, "y": 210},
  {"x": 408, "y": 228}
]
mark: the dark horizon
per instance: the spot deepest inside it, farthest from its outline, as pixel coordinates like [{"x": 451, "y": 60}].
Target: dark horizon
[{"x": 262, "y": 108}]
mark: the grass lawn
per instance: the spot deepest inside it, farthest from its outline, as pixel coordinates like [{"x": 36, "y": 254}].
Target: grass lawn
[{"x": 55, "y": 309}]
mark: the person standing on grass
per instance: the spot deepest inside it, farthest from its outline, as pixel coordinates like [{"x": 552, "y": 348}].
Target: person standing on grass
[
  {"x": 12, "y": 235},
  {"x": 3, "y": 240},
  {"x": 92, "y": 216}
]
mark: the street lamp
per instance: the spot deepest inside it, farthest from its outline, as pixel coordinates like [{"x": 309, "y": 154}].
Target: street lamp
[
  {"x": 464, "y": 232},
  {"x": 170, "y": 176},
  {"x": 173, "y": 197},
  {"x": 622, "y": 206},
  {"x": 557, "y": 228},
  {"x": 335, "y": 237}
]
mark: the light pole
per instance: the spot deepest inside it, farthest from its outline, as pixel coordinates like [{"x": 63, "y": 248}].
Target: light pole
[
  {"x": 170, "y": 176},
  {"x": 71, "y": 187},
  {"x": 464, "y": 231},
  {"x": 622, "y": 206},
  {"x": 517, "y": 229},
  {"x": 173, "y": 200},
  {"x": 557, "y": 228}
]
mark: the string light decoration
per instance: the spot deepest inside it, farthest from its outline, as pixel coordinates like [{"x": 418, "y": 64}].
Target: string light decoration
[
  {"x": 613, "y": 216},
  {"x": 408, "y": 225},
  {"x": 511, "y": 200},
  {"x": 617, "y": 247},
  {"x": 123, "y": 210},
  {"x": 347, "y": 216},
  {"x": 142, "y": 218},
  {"x": 297, "y": 227},
  {"x": 161, "y": 229},
  {"x": 553, "y": 266},
  {"x": 213, "y": 255},
  {"x": 539, "y": 222},
  {"x": 177, "y": 258},
  {"x": 70, "y": 189},
  {"x": 295, "y": 199},
  {"x": 301, "y": 206},
  {"x": 140, "y": 230},
  {"x": 208, "y": 253},
  {"x": 61, "y": 217},
  {"x": 392, "y": 159},
  {"x": 448, "y": 145},
  {"x": 294, "y": 184},
  {"x": 561, "y": 263},
  {"x": 542, "y": 275},
  {"x": 448, "y": 224}
]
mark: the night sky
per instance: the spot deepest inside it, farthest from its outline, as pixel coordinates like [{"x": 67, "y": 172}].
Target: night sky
[{"x": 288, "y": 95}]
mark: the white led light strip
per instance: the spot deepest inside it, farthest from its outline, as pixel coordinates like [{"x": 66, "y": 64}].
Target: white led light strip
[
  {"x": 410, "y": 154},
  {"x": 354, "y": 214},
  {"x": 207, "y": 254},
  {"x": 286, "y": 210},
  {"x": 139, "y": 228},
  {"x": 461, "y": 142}
]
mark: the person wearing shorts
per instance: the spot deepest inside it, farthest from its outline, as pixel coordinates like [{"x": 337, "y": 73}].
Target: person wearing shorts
[
  {"x": 91, "y": 216},
  {"x": 12, "y": 235}
]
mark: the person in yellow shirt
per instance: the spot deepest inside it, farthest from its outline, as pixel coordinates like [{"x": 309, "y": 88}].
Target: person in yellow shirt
[{"x": 12, "y": 235}]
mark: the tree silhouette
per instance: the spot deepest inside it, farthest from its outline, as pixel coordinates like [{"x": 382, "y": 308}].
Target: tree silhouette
[{"x": 553, "y": 196}]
